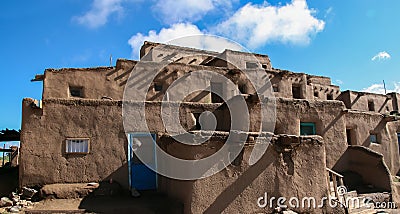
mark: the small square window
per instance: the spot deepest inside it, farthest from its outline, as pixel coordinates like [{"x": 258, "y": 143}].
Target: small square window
[
  {"x": 76, "y": 92},
  {"x": 275, "y": 88},
  {"x": 242, "y": 89},
  {"x": 329, "y": 97},
  {"x": 77, "y": 146},
  {"x": 373, "y": 138},
  {"x": 158, "y": 87},
  {"x": 307, "y": 129},
  {"x": 316, "y": 94},
  {"x": 371, "y": 105},
  {"x": 251, "y": 65}
]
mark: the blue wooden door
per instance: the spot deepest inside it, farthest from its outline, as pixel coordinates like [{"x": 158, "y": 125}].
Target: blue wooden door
[{"x": 141, "y": 176}]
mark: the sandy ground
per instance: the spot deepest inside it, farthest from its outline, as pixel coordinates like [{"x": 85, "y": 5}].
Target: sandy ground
[{"x": 148, "y": 203}]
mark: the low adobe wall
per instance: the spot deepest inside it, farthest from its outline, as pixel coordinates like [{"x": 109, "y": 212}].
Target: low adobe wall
[{"x": 292, "y": 166}]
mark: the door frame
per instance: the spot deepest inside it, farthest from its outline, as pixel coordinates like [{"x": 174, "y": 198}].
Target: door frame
[{"x": 140, "y": 134}]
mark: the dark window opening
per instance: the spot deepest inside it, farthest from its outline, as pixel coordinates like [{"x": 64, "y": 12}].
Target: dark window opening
[
  {"x": 264, "y": 66},
  {"x": 373, "y": 138},
  {"x": 158, "y": 87},
  {"x": 197, "y": 118},
  {"x": 216, "y": 89},
  {"x": 329, "y": 97},
  {"x": 307, "y": 129},
  {"x": 296, "y": 91},
  {"x": 238, "y": 160},
  {"x": 398, "y": 138},
  {"x": 316, "y": 94},
  {"x": 371, "y": 105},
  {"x": 242, "y": 89},
  {"x": 76, "y": 92},
  {"x": 348, "y": 136},
  {"x": 251, "y": 65},
  {"x": 275, "y": 88}
]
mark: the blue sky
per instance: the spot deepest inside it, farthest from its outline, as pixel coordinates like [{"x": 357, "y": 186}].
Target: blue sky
[{"x": 353, "y": 42}]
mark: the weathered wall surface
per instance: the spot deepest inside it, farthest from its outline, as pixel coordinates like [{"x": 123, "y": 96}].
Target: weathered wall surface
[
  {"x": 96, "y": 83},
  {"x": 43, "y": 156},
  {"x": 44, "y": 133},
  {"x": 367, "y": 164},
  {"x": 359, "y": 101},
  {"x": 364, "y": 124},
  {"x": 291, "y": 167},
  {"x": 327, "y": 116}
]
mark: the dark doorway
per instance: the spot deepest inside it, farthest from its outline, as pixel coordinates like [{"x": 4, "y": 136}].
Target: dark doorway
[
  {"x": 296, "y": 91},
  {"x": 217, "y": 88},
  {"x": 348, "y": 136}
]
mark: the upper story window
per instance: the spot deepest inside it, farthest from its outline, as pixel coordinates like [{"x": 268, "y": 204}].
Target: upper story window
[
  {"x": 371, "y": 105},
  {"x": 158, "y": 86},
  {"x": 77, "y": 146},
  {"x": 217, "y": 92},
  {"x": 251, "y": 65},
  {"x": 316, "y": 94},
  {"x": 329, "y": 97},
  {"x": 307, "y": 129},
  {"x": 296, "y": 91},
  {"x": 242, "y": 88},
  {"x": 275, "y": 88},
  {"x": 75, "y": 91},
  {"x": 373, "y": 138}
]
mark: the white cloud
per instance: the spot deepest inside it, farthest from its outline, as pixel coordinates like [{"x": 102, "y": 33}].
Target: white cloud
[
  {"x": 257, "y": 25},
  {"x": 380, "y": 89},
  {"x": 182, "y": 34},
  {"x": 175, "y": 11},
  {"x": 340, "y": 82},
  {"x": 99, "y": 13},
  {"x": 381, "y": 56}
]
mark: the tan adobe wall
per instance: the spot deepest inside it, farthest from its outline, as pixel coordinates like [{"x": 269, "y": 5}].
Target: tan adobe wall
[
  {"x": 359, "y": 101},
  {"x": 364, "y": 124},
  {"x": 359, "y": 159},
  {"x": 44, "y": 132},
  {"x": 291, "y": 167}
]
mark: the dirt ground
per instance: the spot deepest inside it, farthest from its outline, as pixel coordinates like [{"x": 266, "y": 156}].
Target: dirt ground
[{"x": 147, "y": 203}]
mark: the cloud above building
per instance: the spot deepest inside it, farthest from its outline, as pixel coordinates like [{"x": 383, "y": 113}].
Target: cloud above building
[
  {"x": 257, "y": 25},
  {"x": 380, "y": 88},
  {"x": 177, "y": 11},
  {"x": 381, "y": 56},
  {"x": 100, "y": 12},
  {"x": 182, "y": 34}
]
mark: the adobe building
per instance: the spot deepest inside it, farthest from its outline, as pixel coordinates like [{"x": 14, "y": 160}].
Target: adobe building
[{"x": 322, "y": 137}]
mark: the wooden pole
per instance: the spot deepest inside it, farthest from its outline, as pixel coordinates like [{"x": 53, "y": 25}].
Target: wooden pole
[{"x": 4, "y": 147}]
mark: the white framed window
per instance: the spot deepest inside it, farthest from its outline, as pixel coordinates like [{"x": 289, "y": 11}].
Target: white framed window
[{"x": 77, "y": 145}]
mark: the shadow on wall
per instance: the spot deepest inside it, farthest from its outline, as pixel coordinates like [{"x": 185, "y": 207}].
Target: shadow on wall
[
  {"x": 364, "y": 170},
  {"x": 233, "y": 191}
]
